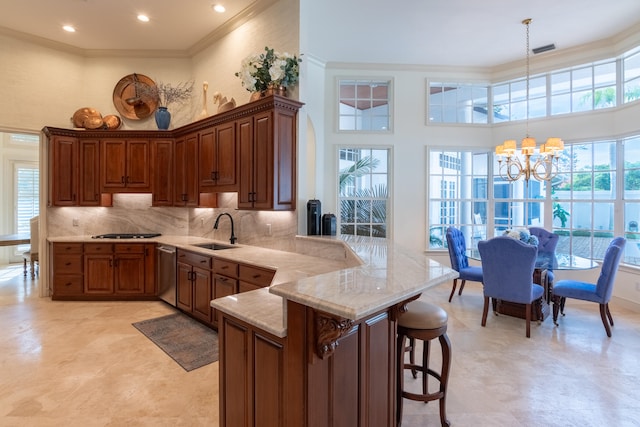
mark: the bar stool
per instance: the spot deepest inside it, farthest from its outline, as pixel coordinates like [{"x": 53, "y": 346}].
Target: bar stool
[{"x": 426, "y": 322}]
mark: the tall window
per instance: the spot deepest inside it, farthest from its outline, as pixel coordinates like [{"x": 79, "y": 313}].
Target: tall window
[
  {"x": 457, "y": 195},
  {"x": 364, "y": 105},
  {"x": 27, "y": 193},
  {"x": 458, "y": 103},
  {"x": 631, "y": 196},
  {"x": 364, "y": 191}
]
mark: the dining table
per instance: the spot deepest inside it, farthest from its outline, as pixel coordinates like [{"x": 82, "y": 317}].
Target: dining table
[
  {"x": 15, "y": 239},
  {"x": 545, "y": 262}
]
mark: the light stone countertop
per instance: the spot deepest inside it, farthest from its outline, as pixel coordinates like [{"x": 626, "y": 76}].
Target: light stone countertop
[
  {"x": 350, "y": 277},
  {"x": 388, "y": 275}
]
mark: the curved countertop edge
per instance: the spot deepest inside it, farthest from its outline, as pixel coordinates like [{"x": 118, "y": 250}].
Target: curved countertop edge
[{"x": 389, "y": 275}]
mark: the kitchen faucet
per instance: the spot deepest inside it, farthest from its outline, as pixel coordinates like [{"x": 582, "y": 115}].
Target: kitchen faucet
[{"x": 233, "y": 238}]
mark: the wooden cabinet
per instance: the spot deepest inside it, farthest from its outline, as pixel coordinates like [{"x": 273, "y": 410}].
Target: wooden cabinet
[
  {"x": 89, "y": 173},
  {"x": 253, "y": 367},
  {"x": 125, "y": 165},
  {"x": 67, "y": 277},
  {"x": 186, "y": 178},
  {"x": 63, "y": 171},
  {"x": 327, "y": 371},
  {"x": 267, "y": 142},
  {"x": 120, "y": 269},
  {"x": 162, "y": 173},
  {"x": 194, "y": 287},
  {"x": 252, "y": 278},
  {"x": 218, "y": 159},
  {"x": 225, "y": 281}
]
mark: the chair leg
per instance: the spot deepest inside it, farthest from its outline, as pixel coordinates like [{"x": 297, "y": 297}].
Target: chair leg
[
  {"x": 444, "y": 378},
  {"x": 603, "y": 315},
  {"x": 412, "y": 356},
  {"x": 461, "y": 287},
  {"x": 24, "y": 266},
  {"x": 556, "y": 309},
  {"x": 528, "y": 316},
  {"x": 425, "y": 364},
  {"x": 485, "y": 310},
  {"x": 399, "y": 378},
  {"x": 453, "y": 291},
  {"x": 609, "y": 314},
  {"x": 563, "y": 300}
]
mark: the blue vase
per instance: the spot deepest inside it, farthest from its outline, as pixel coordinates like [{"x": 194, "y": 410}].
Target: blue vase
[{"x": 163, "y": 118}]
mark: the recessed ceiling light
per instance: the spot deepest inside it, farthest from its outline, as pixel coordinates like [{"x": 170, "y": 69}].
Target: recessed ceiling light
[
  {"x": 69, "y": 28},
  {"x": 219, "y": 8},
  {"x": 143, "y": 18}
]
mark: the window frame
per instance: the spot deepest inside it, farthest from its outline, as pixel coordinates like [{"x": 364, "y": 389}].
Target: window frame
[{"x": 361, "y": 80}]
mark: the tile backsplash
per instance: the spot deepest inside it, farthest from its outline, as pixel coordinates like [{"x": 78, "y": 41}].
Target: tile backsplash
[{"x": 133, "y": 213}]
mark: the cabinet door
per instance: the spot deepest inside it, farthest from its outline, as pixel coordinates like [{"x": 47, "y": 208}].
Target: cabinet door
[
  {"x": 202, "y": 294},
  {"x": 207, "y": 160},
  {"x": 227, "y": 157},
  {"x": 186, "y": 158},
  {"x": 129, "y": 273},
  {"x": 185, "y": 288},
  {"x": 63, "y": 169},
  {"x": 98, "y": 274},
  {"x": 89, "y": 175},
  {"x": 245, "y": 143},
  {"x": 263, "y": 172},
  {"x": 162, "y": 175},
  {"x": 113, "y": 164},
  {"x": 137, "y": 165}
]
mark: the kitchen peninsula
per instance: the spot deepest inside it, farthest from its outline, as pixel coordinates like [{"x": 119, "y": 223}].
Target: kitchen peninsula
[{"x": 320, "y": 350}]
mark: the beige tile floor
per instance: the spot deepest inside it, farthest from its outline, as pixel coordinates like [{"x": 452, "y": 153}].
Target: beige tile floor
[{"x": 83, "y": 364}]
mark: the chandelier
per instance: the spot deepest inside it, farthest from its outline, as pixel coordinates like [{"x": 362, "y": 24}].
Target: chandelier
[{"x": 542, "y": 165}]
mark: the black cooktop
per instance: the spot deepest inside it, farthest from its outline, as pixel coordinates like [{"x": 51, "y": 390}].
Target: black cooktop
[{"x": 126, "y": 236}]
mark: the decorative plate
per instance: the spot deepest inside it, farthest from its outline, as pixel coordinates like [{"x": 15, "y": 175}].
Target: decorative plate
[{"x": 132, "y": 96}]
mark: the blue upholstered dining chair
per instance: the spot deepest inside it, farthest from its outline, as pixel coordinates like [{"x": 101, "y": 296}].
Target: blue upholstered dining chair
[
  {"x": 599, "y": 292},
  {"x": 459, "y": 261},
  {"x": 507, "y": 272},
  {"x": 547, "y": 242}
]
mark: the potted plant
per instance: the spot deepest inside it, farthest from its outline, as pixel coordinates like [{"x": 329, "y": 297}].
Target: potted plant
[{"x": 269, "y": 71}]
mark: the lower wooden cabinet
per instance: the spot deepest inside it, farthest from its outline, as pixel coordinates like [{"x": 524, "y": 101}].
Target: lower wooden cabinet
[
  {"x": 252, "y": 375},
  {"x": 68, "y": 272},
  {"x": 103, "y": 271},
  {"x": 195, "y": 285}
]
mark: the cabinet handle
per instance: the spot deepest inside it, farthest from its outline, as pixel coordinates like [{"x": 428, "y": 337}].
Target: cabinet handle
[
  {"x": 67, "y": 263},
  {"x": 184, "y": 197},
  {"x": 255, "y": 276},
  {"x": 223, "y": 279},
  {"x": 122, "y": 179}
]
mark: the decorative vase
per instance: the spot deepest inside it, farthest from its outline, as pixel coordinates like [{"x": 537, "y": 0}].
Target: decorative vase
[
  {"x": 255, "y": 96},
  {"x": 276, "y": 90},
  {"x": 163, "y": 118}
]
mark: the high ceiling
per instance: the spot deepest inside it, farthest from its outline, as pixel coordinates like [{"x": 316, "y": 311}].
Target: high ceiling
[{"x": 423, "y": 32}]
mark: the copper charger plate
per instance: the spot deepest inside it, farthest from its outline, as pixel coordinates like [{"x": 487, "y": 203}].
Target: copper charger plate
[{"x": 133, "y": 87}]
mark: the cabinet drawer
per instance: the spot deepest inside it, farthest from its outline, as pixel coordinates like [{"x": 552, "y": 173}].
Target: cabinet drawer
[
  {"x": 191, "y": 258},
  {"x": 132, "y": 248},
  {"x": 98, "y": 248},
  {"x": 258, "y": 276},
  {"x": 67, "y": 248},
  {"x": 224, "y": 267},
  {"x": 67, "y": 285},
  {"x": 67, "y": 264}
]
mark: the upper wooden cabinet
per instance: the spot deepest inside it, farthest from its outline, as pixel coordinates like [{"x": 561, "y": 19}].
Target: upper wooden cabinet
[
  {"x": 250, "y": 150},
  {"x": 218, "y": 159},
  {"x": 186, "y": 178},
  {"x": 74, "y": 178},
  {"x": 267, "y": 142},
  {"x": 124, "y": 166},
  {"x": 63, "y": 171},
  {"x": 162, "y": 172}
]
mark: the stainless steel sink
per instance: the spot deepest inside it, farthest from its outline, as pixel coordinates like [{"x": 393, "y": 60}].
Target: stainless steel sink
[{"x": 214, "y": 246}]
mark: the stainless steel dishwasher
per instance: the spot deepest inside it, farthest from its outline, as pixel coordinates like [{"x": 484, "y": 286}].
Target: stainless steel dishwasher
[{"x": 166, "y": 270}]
